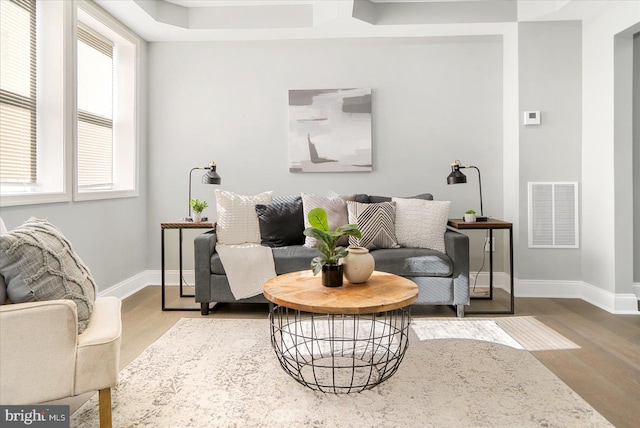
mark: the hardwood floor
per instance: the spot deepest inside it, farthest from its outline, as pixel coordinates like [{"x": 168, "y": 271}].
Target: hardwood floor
[{"x": 605, "y": 371}]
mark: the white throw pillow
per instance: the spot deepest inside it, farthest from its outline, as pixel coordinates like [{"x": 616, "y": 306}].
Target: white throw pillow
[
  {"x": 421, "y": 223},
  {"x": 337, "y": 214},
  {"x": 237, "y": 221}
]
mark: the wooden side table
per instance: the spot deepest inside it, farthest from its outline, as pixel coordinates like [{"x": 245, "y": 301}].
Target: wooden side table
[
  {"x": 180, "y": 226},
  {"x": 490, "y": 225}
]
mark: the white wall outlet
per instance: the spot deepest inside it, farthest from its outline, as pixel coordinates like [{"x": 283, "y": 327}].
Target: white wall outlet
[
  {"x": 486, "y": 245},
  {"x": 532, "y": 118}
]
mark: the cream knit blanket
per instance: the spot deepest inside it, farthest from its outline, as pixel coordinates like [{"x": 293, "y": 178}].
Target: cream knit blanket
[{"x": 248, "y": 266}]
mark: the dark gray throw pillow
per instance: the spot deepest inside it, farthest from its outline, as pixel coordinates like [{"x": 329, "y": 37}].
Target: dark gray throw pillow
[{"x": 281, "y": 222}]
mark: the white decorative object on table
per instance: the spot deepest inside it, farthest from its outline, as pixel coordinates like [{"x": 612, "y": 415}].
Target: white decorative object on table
[
  {"x": 358, "y": 265},
  {"x": 470, "y": 218}
]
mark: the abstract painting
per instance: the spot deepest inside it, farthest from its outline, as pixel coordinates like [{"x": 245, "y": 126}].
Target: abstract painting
[{"x": 330, "y": 130}]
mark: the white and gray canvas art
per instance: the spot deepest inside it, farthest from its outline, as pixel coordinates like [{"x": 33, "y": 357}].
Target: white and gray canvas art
[{"x": 330, "y": 130}]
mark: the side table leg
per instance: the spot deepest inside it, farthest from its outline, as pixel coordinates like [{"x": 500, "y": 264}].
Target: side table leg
[
  {"x": 513, "y": 297},
  {"x": 162, "y": 281},
  {"x": 490, "y": 264}
]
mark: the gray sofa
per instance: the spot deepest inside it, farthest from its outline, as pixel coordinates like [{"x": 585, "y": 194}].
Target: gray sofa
[{"x": 442, "y": 279}]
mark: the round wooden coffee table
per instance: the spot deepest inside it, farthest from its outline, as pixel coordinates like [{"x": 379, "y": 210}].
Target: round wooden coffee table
[{"x": 340, "y": 339}]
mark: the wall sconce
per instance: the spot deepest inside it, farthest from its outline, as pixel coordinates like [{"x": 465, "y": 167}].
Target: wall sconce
[
  {"x": 210, "y": 177},
  {"x": 457, "y": 177}
]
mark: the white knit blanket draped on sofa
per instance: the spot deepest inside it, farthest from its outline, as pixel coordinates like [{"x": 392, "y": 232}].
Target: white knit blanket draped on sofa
[{"x": 248, "y": 266}]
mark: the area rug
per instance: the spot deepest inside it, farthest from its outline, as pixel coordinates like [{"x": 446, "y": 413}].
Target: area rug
[
  {"x": 517, "y": 332},
  {"x": 223, "y": 373}
]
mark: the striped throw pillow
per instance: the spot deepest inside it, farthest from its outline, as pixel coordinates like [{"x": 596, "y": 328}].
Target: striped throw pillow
[{"x": 376, "y": 223}]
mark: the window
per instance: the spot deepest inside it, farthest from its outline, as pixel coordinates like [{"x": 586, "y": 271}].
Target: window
[
  {"x": 68, "y": 75},
  {"x": 106, "y": 149},
  {"x": 18, "y": 92},
  {"x": 95, "y": 111}
]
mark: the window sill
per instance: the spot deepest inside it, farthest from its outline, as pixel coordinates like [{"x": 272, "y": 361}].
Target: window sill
[
  {"x": 94, "y": 195},
  {"x": 12, "y": 200}
]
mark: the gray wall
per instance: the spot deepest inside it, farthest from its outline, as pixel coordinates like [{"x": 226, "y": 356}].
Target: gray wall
[
  {"x": 109, "y": 235},
  {"x": 550, "y": 81},
  {"x": 434, "y": 100},
  {"x": 636, "y": 158}
]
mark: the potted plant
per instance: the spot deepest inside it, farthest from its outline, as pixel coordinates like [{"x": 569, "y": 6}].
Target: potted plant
[
  {"x": 329, "y": 262},
  {"x": 197, "y": 206},
  {"x": 470, "y": 216}
]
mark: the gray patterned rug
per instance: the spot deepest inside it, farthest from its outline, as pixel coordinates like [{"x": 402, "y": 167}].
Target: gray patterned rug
[{"x": 223, "y": 373}]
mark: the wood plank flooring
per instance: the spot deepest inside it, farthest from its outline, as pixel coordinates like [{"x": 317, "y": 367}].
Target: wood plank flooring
[{"x": 605, "y": 371}]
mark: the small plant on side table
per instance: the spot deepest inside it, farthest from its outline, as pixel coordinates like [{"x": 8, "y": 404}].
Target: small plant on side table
[
  {"x": 328, "y": 262},
  {"x": 470, "y": 216},
  {"x": 198, "y": 206}
]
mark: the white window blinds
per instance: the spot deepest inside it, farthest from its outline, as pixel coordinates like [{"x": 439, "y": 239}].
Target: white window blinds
[
  {"x": 95, "y": 111},
  {"x": 18, "y": 91}
]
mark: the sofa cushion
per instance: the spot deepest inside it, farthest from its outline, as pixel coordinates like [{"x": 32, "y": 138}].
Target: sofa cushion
[
  {"x": 399, "y": 261},
  {"x": 38, "y": 264},
  {"x": 237, "y": 221},
  {"x": 281, "y": 222},
  {"x": 376, "y": 223},
  {"x": 411, "y": 262},
  {"x": 293, "y": 258},
  {"x": 337, "y": 215},
  {"x": 421, "y": 223}
]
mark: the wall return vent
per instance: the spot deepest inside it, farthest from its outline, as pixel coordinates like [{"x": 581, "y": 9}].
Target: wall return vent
[{"x": 553, "y": 215}]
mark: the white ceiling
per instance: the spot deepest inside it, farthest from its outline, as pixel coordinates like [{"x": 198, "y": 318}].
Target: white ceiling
[{"x": 202, "y": 20}]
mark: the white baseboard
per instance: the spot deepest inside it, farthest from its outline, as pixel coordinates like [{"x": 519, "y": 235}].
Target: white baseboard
[
  {"x": 610, "y": 302},
  {"x": 137, "y": 282}
]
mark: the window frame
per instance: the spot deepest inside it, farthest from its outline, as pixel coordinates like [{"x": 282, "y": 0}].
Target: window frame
[
  {"x": 126, "y": 128},
  {"x": 57, "y": 126},
  {"x": 53, "y": 174}
]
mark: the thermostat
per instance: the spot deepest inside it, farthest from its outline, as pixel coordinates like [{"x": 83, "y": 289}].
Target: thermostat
[{"x": 532, "y": 118}]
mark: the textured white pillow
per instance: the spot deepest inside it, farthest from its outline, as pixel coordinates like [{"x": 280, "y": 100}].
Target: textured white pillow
[
  {"x": 421, "y": 223},
  {"x": 237, "y": 220},
  {"x": 337, "y": 214}
]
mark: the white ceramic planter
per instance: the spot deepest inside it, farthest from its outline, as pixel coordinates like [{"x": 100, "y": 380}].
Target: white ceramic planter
[
  {"x": 358, "y": 265},
  {"x": 470, "y": 218},
  {"x": 197, "y": 217}
]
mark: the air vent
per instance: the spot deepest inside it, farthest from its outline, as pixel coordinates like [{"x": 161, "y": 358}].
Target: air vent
[{"x": 553, "y": 215}]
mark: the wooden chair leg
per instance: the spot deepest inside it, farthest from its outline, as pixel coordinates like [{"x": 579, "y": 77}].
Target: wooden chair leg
[{"x": 104, "y": 399}]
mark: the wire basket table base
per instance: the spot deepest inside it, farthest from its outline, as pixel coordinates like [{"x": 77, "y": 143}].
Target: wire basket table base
[{"x": 339, "y": 354}]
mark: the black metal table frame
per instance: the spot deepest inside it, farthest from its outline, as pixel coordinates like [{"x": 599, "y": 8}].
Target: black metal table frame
[
  {"x": 321, "y": 359},
  {"x": 180, "y": 279},
  {"x": 511, "y": 282}
]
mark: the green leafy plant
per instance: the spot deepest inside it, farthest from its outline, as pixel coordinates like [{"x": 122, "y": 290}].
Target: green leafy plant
[
  {"x": 470, "y": 212},
  {"x": 198, "y": 205},
  {"x": 328, "y": 239}
]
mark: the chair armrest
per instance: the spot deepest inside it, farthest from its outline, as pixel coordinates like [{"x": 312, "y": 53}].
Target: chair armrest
[
  {"x": 37, "y": 342},
  {"x": 204, "y": 247},
  {"x": 98, "y": 357}
]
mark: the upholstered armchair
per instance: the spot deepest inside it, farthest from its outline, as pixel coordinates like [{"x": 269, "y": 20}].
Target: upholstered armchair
[{"x": 43, "y": 358}]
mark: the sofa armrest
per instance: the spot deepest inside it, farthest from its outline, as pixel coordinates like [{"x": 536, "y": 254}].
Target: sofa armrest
[
  {"x": 457, "y": 248},
  {"x": 204, "y": 247}
]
